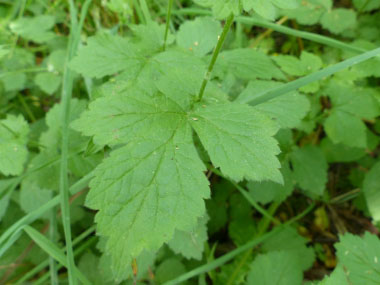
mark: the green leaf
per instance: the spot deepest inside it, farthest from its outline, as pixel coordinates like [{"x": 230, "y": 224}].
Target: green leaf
[
  {"x": 150, "y": 37},
  {"x": 14, "y": 81},
  {"x": 90, "y": 267},
  {"x": 52, "y": 137},
  {"x": 33, "y": 197},
  {"x": 168, "y": 270},
  {"x": 277, "y": 267},
  {"x": 3, "y": 51},
  {"x": 337, "y": 277},
  {"x": 339, "y": 20},
  {"x": 157, "y": 167},
  {"x": 353, "y": 100},
  {"x": 121, "y": 114},
  {"x": 160, "y": 172},
  {"x": 241, "y": 227},
  {"x": 239, "y": 140},
  {"x": 48, "y": 82},
  {"x": 290, "y": 241},
  {"x": 306, "y": 64},
  {"x": 289, "y": 4},
  {"x": 106, "y": 54},
  {"x": 34, "y": 29},
  {"x": 288, "y": 110},
  {"x": 13, "y": 139},
  {"x": 268, "y": 191},
  {"x": 190, "y": 244},
  {"x": 371, "y": 190},
  {"x": 309, "y": 12},
  {"x": 7, "y": 186},
  {"x": 264, "y": 8},
  {"x": 248, "y": 64},
  {"x": 340, "y": 152},
  {"x": 310, "y": 169},
  {"x": 199, "y": 36},
  {"x": 360, "y": 258},
  {"x": 221, "y": 8},
  {"x": 366, "y": 5},
  {"x": 342, "y": 127}
]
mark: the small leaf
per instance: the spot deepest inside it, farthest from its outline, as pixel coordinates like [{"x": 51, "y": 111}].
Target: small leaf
[
  {"x": 310, "y": 169},
  {"x": 249, "y": 64},
  {"x": 106, "y": 54},
  {"x": 35, "y": 29},
  {"x": 190, "y": 244},
  {"x": 276, "y": 267},
  {"x": 268, "y": 191},
  {"x": 200, "y": 36},
  {"x": 288, "y": 110},
  {"x": 371, "y": 189},
  {"x": 13, "y": 139},
  {"x": 48, "y": 82},
  {"x": 339, "y": 20},
  {"x": 342, "y": 127}
]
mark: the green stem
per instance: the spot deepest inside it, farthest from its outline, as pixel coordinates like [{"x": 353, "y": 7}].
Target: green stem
[
  {"x": 26, "y": 107},
  {"x": 263, "y": 226},
  {"x": 227, "y": 257},
  {"x": 246, "y": 195},
  {"x": 53, "y": 237},
  {"x": 215, "y": 54},
  {"x": 139, "y": 13},
  {"x": 168, "y": 15}
]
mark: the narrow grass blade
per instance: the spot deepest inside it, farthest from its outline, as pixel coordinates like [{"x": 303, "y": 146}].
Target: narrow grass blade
[
  {"x": 278, "y": 28},
  {"x": 294, "y": 85},
  {"x": 222, "y": 260},
  {"x": 67, "y": 88},
  {"x": 34, "y": 215},
  {"x": 51, "y": 249},
  {"x": 45, "y": 263},
  {"x": 88, "y": 243}
]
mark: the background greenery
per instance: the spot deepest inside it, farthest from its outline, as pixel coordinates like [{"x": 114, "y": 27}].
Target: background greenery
[{"x": 296, "y": 63}]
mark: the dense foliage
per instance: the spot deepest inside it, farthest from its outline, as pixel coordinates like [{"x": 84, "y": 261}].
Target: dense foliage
[{"x": 190, "y": 142}]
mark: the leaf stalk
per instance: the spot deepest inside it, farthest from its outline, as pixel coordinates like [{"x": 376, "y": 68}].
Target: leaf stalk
[{"x": 215, "y": 54}]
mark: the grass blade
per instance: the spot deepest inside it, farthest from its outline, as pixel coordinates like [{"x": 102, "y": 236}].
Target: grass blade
[
  {"x": 51, "y": 249},
  {"x": 279, "y": 28},
  {"x": 294, "y": 85},
  {"x": 227, "y": 257},
  {"x": 6, "y": 237},
  {"x": 45, "y": 263},
  {"x": 67, "y": 88},
  {"x": 222, "y": 260}
]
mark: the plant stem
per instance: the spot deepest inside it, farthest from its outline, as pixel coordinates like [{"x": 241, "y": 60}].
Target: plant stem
[
  {"x": 215, "y": 54},
  {"x": 227, "y": 257},
  {"x": 168, "y": 15},
  {"x": 262, "y": 228},
  {"x": 258, "y": 208},
  {"x": 26, "y": 107},
  {"x": 53, "y": 237}
]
